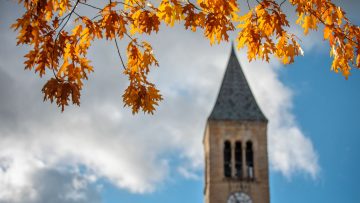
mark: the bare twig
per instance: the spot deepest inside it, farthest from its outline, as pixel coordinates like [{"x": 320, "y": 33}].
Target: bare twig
[
  {"x": 248, "y": 4},
  {"x": 78, "y": 15},
  {"x": 68, "y": 18},
  {"x": 118, "y": 50},
  {"x": 72, "y": 11},
  {"x": 132, "y": 39},
  {"x": 197, "y": 8},
  {"x": 89, "y": 5},
  {"x": 282, "y": 3}
]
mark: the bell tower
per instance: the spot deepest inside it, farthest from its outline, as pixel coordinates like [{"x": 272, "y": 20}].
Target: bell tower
[{"x": 235, "y": 143}]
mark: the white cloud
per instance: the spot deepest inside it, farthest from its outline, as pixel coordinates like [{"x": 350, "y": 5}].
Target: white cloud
[
  {"x": 25, "y": 178},
  {"x": 290, "y": 151},
  {"x": 184, "y": 171}
]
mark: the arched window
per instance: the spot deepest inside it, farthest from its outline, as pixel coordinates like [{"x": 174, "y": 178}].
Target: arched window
[
  {"x": 238, "y": 159},
  {"x": 227, "y": 159},
  {"x": 249, "y": 160}
]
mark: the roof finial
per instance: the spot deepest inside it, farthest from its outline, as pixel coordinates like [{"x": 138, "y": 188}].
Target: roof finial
[{"x": 232, "y": 48}]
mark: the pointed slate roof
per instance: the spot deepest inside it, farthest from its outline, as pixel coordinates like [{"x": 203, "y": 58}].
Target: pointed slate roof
[{"x": 235, "y": 100}]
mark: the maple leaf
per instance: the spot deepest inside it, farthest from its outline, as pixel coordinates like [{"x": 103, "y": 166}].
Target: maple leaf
[
  {"x": 61, "y": 92},
  {"x": 60, "y": 48}
]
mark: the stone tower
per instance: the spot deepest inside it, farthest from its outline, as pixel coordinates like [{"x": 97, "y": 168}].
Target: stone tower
[{"x": 235, "y": 143}]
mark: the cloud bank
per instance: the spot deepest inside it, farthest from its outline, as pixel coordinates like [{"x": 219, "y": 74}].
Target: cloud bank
[{"x": 290, "y": 151}]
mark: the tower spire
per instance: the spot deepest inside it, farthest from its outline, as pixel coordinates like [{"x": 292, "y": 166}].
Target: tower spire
[{"x": 235, "y": 100}]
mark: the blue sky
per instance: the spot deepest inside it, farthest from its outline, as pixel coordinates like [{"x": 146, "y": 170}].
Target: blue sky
[
  {"x": 99, "y": 152},
  {"x": 325, "y": 106}
]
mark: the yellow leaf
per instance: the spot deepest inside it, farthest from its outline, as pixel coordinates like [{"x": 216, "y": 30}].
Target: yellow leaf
[{"x": 327, "y": 32}]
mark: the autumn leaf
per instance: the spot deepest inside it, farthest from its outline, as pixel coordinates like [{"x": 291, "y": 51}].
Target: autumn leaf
[{"x": 59, "y": 37}]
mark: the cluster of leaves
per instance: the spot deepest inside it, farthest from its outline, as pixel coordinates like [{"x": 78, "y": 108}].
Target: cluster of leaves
[
  {"x": 263, "y": 30},
  {"x": 343, "y": 36}
]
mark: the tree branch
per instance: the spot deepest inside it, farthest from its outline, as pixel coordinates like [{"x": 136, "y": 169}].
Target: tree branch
[
  {"x": 89, "y": 5},
  {"x": 52, "y": 61},
  {"x": 282, "y": 3},
  {"x": 118, "y": 50}
]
